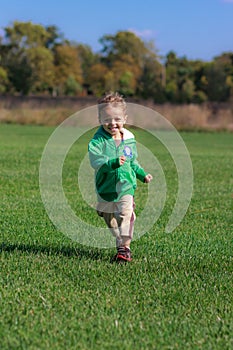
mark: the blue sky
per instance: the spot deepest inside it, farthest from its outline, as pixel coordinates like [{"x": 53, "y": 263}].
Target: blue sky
[{"x": 197, "y": 29}]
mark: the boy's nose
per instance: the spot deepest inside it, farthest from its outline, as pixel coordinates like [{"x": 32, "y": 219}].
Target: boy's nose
[{"x": 112, "y": 121}]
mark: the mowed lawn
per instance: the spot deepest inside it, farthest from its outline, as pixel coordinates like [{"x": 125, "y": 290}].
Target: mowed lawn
[{"x": 58, "y": 294}]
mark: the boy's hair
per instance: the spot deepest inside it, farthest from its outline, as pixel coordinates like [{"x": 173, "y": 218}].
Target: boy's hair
[{"x": 112, "y": 98}]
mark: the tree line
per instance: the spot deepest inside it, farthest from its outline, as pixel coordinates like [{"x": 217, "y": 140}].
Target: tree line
[{"x": 39, "y": 60}]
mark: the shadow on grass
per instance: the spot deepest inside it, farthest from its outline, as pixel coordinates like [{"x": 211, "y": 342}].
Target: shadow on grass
[{"x": 79, "y": 252}]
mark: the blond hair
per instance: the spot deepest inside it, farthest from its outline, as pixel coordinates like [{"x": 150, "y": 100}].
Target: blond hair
[{"x": 114, "y": 99}]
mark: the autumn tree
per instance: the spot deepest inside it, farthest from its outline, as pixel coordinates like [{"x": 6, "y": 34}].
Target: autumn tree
[
  {"x": 36, "y": 59},
  {"x": 40, "y": 61},
  {"x": 153, "y": 79},
  {"x": 3, "y": 80},
  {"x": 171, "y": 66},
  {"x": 126, "y": 73},
  {"x": 67, "y": 67},
  {"x": 54, "y": 37},
  {"x": 131, "y": 61},
  {"x": 87, "y": 59},
  {"x": 97, "y": 78},
  {"x": 123, "y": 43},
  {"x": 24, "y": 50}
]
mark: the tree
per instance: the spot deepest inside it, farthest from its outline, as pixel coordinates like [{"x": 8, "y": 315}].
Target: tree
[
  {"x": 67, "y": 64},
  {"x": 188, "y": 91},
  {"x": 171, "y": 91},
  {"x": 19, "y": 71},
  {"x": 3, "y": 80},
  {"x": 225, "y": 60},
  {"x": 126, "y": 74},
  {"x": 151, "y": 83},
  {"x": 72, "y": 87},
  {"x": 87, "y": 59},
  {"x": 123, "y": 43},
  {"x": 36, "y": 59},
  {"x": 97, "y": 78},
  {"x": 25, "y": 57},
  {"x": 171, "y": 59},
  {"x": 216, "y": 82},
  {"x": 26, "y": 35},
  {"x": 40, "y": 61},
  {"x": 110, "y": 83},
  {"x": 134, "y": 63},
  {"x": 180, "y": 74},
  {"x": 54, "y": 37}
]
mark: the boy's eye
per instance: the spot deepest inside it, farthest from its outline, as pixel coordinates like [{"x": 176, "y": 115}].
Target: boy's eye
[{"x": 116, "y": 120}]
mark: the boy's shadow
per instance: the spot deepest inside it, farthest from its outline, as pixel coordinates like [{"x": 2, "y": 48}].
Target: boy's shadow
[{"x": 79, "y": 252}]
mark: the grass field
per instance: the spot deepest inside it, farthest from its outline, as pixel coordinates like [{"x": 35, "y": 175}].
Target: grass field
[{"x": 57, "y": 294}]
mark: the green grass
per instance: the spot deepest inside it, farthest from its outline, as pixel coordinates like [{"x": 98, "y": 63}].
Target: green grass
[{"x": 58, "y": 294}]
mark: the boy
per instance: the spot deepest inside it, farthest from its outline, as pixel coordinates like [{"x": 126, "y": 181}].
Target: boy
[{"x": 113, "y": 155}]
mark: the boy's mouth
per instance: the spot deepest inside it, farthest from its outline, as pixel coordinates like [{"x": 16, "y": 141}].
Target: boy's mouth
[{"x": 113, "y": 128}]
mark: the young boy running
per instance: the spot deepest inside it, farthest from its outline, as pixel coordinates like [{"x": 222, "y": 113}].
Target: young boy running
[{"x": 113, "y": 155}]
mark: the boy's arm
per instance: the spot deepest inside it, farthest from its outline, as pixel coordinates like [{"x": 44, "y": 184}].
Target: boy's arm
[
  {"x": 139, "y": 171},
  {"x": 100, "y": 160}
]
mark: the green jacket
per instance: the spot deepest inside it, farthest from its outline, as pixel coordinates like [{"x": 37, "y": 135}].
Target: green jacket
[{"x": 112, "y": 180}]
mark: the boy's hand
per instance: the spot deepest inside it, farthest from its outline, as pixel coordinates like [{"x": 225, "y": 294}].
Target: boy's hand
[
  {"x": 122, "y": 160},
  {"x": 148, "y": 178}
]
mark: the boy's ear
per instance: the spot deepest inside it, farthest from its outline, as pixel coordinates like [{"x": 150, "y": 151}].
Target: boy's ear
[{"x": 126, "y": 116}]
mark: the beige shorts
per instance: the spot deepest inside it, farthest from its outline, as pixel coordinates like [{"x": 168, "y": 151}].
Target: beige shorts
[{"x": 119, "y": 216}]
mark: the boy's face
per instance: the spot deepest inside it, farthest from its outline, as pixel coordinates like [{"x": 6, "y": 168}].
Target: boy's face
[{"x": 112, "y": 119}]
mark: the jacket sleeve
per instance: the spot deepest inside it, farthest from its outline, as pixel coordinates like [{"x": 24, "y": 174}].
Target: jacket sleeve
[
  {"x": 139, "y": 171},
  {"x": 100, "y": 160}
]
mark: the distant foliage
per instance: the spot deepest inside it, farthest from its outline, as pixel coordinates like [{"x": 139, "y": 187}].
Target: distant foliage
[{"x": 38, "y": 60}]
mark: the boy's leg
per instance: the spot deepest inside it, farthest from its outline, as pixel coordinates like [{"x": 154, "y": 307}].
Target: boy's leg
[
  {"x": 125, "y": 218},
  {"x": 106, "y": 210},
  {"x": 119, "y": 217}
]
